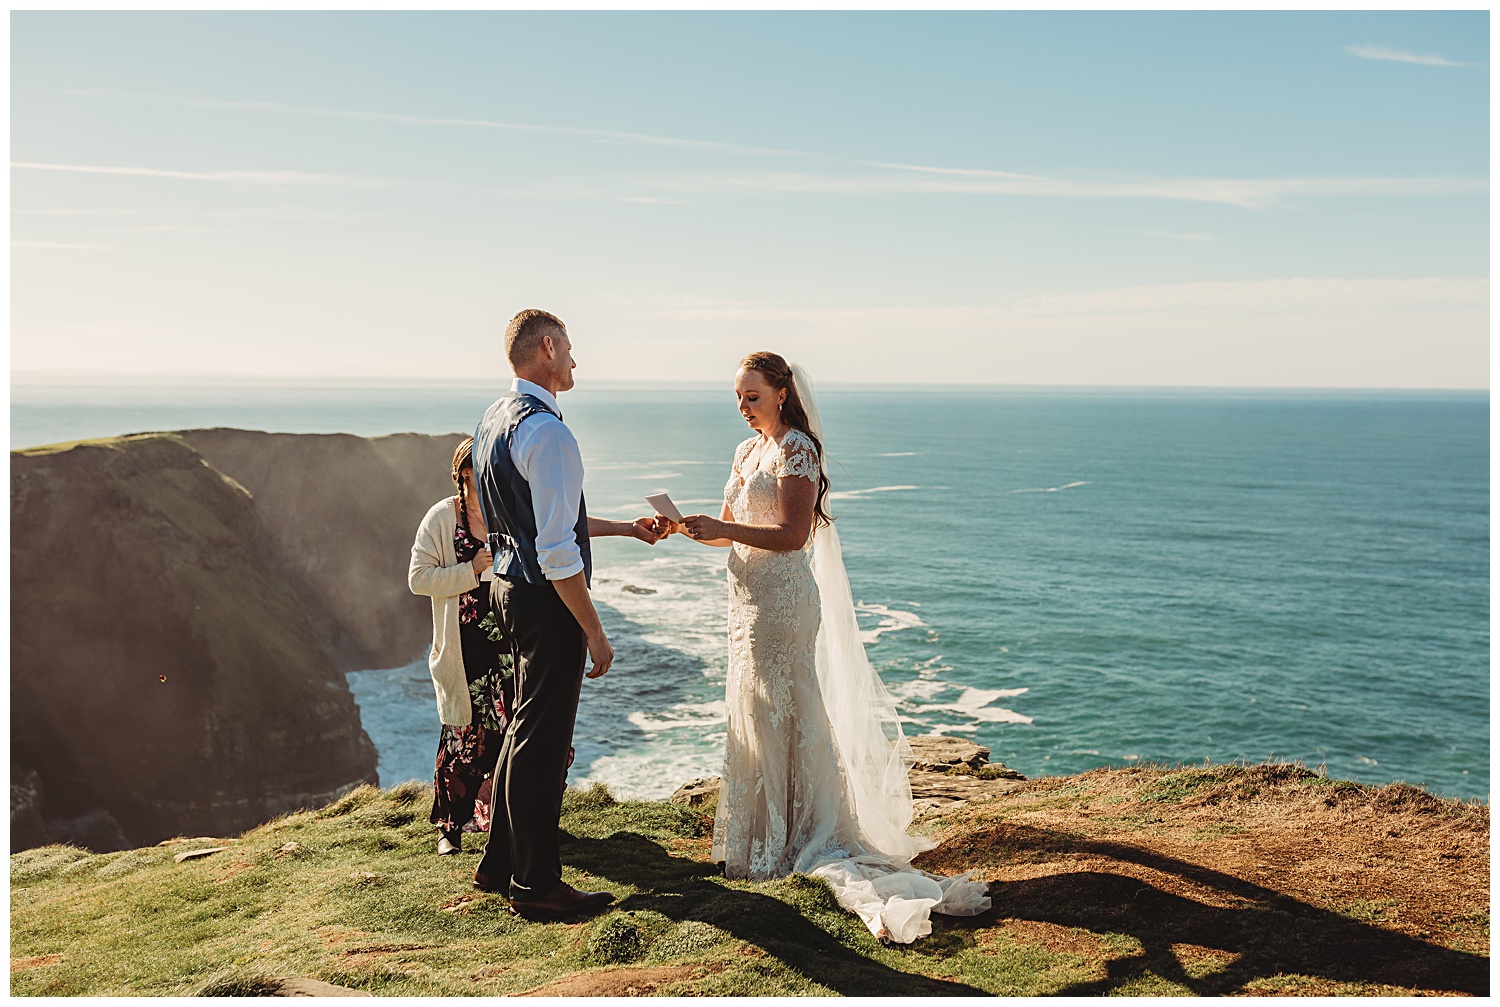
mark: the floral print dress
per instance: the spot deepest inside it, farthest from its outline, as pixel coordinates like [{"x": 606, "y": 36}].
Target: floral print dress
[{"x": 466, "y": 756}]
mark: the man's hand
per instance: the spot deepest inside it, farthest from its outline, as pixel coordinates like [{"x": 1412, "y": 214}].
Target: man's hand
[
  {"x": 601, "y": 653},
  {"x": 574, "y": 592},
  {"x": 645, "y": 529}
]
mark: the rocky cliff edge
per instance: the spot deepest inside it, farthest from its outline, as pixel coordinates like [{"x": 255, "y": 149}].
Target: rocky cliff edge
[{"x": 182, "y": 609}]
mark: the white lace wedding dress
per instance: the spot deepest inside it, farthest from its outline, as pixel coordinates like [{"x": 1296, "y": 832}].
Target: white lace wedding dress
[{"x": 815, "y": 769}]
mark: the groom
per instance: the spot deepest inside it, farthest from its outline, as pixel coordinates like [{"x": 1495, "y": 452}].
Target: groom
[{"x": 529, "y": 475}]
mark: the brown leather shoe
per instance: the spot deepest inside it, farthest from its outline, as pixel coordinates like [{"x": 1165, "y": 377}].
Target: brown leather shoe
[
  {"x": 564, "y": 902},
  {"x": 489, "y": 883}
]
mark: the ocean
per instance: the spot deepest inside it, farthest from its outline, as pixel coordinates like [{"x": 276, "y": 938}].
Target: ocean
[{"x": 1073, "y": 578}]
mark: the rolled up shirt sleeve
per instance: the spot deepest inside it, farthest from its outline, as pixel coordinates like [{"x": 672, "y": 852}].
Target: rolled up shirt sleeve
[{"x": 547, "y": 456}]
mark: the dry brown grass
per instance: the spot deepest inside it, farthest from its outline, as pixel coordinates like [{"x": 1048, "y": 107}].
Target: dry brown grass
[{"x": 1386, "y": 888}]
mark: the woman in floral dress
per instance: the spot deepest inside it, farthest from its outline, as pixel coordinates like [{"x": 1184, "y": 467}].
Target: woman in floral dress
[{"x": 475, "y": 680}]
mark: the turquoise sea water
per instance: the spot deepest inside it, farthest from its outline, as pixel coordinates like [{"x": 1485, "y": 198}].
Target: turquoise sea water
[{"x": 1074, "y": 578}]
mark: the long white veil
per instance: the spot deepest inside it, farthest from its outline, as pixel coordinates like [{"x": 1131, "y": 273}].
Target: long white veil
[
  {"x": 874, "y": 756},
  {"x": 893, "y": 898}
]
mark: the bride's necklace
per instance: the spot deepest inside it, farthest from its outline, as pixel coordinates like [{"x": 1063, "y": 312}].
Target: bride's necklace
[{"x": 758, "y": 453}]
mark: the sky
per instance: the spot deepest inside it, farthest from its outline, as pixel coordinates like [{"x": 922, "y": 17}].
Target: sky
[{"x": 1201, "y": 199}]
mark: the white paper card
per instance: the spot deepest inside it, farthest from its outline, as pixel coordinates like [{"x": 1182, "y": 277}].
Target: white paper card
[{"x": 663, "y": 505}]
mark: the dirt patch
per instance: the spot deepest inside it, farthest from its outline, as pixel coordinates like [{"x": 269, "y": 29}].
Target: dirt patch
[
  {"x": 385, "y": 949},
  {"x": 625, "y": 982},
  {"x": 34, "y": 962},
  {"x": 234, "y": 870},
  {"x": 1063, "y": 940},
  {"x": 332, "y": 936}
]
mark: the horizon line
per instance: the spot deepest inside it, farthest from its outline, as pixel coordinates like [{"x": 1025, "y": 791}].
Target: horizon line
[{"x": 63, "y": 377}]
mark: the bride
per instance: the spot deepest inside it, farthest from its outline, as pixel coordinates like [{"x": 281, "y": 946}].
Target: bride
[{"x": 815, "y": 769}]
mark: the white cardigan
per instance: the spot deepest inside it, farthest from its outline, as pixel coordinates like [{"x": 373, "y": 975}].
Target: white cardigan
[{"x": 436, "y": 572}]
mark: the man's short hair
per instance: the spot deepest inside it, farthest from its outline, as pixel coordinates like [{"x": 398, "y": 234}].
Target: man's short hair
[{"x": 524, "y": 334}]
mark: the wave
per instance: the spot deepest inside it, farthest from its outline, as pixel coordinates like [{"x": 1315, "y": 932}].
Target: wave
[
  {"x": 931, "y": 668},
  {"x": 652, "y": 774},
  {"x": 856, "y": 494},
  {"x": 1054, "y": 489},
  {"x": 916, "y": 702},
  {"x": 975, "y": 704},
  {"x": 598, "y": 465},
  {"x": 680, "y": 715},
  {"x": 892, "y": 620}
]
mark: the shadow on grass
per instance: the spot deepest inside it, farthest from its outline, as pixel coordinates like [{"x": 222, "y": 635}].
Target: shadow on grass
[
  {"x": 683, "y": 889},
  {"x": 1272, "y": 933}
]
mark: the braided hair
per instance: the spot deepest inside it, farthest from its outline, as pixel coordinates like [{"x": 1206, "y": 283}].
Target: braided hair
[{"x": 463, "y": 458}]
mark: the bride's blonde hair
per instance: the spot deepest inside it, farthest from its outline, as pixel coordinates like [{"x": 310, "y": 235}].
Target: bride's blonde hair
[{"x": 778, "y": 374}]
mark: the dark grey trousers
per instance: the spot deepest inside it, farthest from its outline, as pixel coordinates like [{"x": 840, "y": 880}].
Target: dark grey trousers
[{"x": 549, "y": 649}]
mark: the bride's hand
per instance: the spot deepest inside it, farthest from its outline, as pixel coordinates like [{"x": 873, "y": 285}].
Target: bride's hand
[{"x": 702, "y": 528}]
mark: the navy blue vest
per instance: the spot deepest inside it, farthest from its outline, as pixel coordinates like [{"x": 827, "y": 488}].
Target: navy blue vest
[{"x": 505, "y": 496}]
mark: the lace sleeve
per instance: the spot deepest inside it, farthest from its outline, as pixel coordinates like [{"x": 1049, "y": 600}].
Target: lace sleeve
[{"x": 799, "y": 457}]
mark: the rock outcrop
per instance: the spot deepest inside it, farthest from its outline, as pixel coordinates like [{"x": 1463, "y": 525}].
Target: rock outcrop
[
  {"x": 182, "y": 607},
  {"x": 948, "y": 773}
]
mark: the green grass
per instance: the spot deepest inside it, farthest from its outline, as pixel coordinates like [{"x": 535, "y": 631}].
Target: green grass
[
  {"x": 361, "y": 900},
  {"x": 354, "y": 894}
]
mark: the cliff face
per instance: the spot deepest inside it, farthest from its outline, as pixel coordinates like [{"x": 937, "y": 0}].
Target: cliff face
[
  {"x": 340, "y": 513},
  {"x": 181, "y": 609}
]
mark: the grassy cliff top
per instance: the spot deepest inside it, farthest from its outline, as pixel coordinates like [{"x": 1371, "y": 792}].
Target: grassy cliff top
[{"x": 1149, "y": 880}]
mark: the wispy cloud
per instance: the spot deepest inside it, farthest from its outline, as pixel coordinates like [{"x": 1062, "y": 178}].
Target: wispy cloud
[
  {"x": 169, "y": 229},
  {"x": 1399, "y": 56},
  {"x": 1176, "y": 236},
  {"x": 600, "y": 135},
  {"x": 842, "y": 176},
  {"x": 1254, "y": 194},
  {"x": 960, "y": 172},
  {"x": 1292, "y": 295},
  {"x": 68, "y": 212},
  {"x": 63, "y": 245},
  {"x": 284, "y": 179}
]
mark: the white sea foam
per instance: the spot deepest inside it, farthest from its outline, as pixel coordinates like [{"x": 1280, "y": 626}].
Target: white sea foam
[
  {"x": 678, "y": 596},
  {"x": 932, "y": 668},
  {"x": 971, "y": 704},
  {"x": 975, "y": 703},
  {"x": 695, "y": 716},
  {"x": 1054, "y": 489},
  {"x": 856, "y": 494},
  {"x": 918, "y": 688},
  {"x": 892, "y": 620},
  {"x": 895, "y": 454},
  {"x": 651, "y": 774}
]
